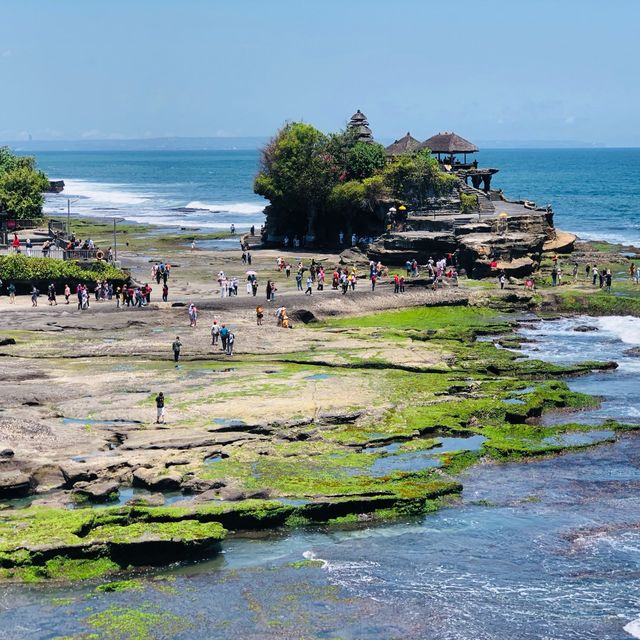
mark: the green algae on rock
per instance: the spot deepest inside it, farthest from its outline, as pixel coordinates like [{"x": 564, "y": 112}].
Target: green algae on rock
[{"x": 408, "y": 378}]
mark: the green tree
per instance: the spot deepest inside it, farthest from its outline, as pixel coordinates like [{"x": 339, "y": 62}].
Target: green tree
[
  {"x": 10, "y": 161},
  {"x": 364, "y": 159},
  {"x": 21, "y": 192},
  {"x": 415, "y": 178},
  {"x": 296, "y": 174},
  {"x": 21, "y": 185},
  {"x": 348, "y": 196},
  {"x": 375, "y": 190}
]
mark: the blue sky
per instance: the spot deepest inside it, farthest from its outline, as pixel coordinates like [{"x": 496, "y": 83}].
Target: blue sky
[{"x": 505, "y": 70}]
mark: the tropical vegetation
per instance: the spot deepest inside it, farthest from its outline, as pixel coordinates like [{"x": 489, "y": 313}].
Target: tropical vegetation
[
  {"x": 318, "y": 183},
  {"x": 21, "y": 270},
  {"x": 21, "y": 185}
]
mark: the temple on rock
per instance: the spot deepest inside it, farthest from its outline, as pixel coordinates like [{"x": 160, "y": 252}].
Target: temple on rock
[
  {"x": 480, "y": 224},
  {"x": 414, "y": 199}
]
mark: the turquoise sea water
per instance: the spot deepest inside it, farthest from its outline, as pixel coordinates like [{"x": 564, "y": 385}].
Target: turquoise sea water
[{"x": 594, "y": 192}]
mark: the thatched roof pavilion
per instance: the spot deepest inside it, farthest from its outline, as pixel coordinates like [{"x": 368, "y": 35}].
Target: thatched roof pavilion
[
  {"x": 360, "y": 125},
  {"x": 406, "y": 144},
  {"x": 450, "y": 144}
]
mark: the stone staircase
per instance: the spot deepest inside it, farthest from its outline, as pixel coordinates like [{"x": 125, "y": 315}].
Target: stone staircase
[
  {"x": 484, "y": 200},
  {"x": 254, "y": 241}
]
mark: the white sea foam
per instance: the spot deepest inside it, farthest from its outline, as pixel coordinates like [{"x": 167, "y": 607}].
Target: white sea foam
[
  {"x": 630, "y": 238},
  {"x": 633, "y": 628},
  {"x": 310, "y": 555},
  {"x": 626, "y": 328},
  {"x": 103, "y": 193},
  {"x": 246, "y": 208}
]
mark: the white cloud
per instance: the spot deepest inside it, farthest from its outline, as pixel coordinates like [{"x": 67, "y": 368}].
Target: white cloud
[{"x": 7, "y": 53}]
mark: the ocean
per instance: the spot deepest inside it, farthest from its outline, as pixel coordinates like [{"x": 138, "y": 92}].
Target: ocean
[
  {"x": 200, "y": 189},
  {"x": 594, "y": 192}
]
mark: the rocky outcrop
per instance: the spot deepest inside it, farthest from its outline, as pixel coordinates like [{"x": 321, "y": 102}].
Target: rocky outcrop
[
  {"x": 157, "y": 479},
  {"x": 100, "y": 491},
  {"x": 15, "y": 484},
  {"x": 515, "y": 242},
  {"x": 562, "y": 242}
]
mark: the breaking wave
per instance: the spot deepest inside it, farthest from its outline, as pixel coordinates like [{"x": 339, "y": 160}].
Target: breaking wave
[
  {"x": 247, "y": 208},
  {"x": 104, "y": 193},
  {"x": 625, "y": 328}
]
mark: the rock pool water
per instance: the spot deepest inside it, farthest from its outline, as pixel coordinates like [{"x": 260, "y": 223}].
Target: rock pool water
[
  {"x": 548, "y": 549},
  {"x": 419, "y": 460}
]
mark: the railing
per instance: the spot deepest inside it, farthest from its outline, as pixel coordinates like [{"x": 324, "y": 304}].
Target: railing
[
  {"x": 82, "y": 254},
  {"x": 57, "y": 227}
]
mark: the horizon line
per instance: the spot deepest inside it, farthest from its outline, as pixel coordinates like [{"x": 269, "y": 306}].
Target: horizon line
[{"x": 56, "y": 144}]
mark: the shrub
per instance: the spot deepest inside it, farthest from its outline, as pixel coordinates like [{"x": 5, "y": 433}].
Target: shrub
[
  {"x": 468, "y": 202},
  {"x": 22, "y": 270}
]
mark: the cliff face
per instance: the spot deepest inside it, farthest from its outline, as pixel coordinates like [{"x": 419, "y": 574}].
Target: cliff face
[
  {"x": 55, "y": 186},
  {"x": 510, "y": 233}
]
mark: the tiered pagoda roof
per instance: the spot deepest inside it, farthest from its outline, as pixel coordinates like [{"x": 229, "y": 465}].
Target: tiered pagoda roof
[{"x": 360, "y": 125}]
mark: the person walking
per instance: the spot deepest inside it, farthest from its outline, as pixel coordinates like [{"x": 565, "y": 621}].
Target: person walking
[
  {"x": 215, "y": 333},
  {"x": 51, "y": 295},
  {"x": 29, "y": 247},
  {"x": 34, "y": 296},
  {"x": 165, "y": 293},
  {"x": 224, "y": 335},
  {"x": 259, "y": 315},
  {"x": 176, "y": 346},
  {"x": 12, "y": 293},
  {"x": 67, "y": 293},
  {"x": 607, "y": 280},
  {"x": 268, "y": 290},
  {"x": 193, "y": 315},
  {"x": 230, "y": 342},
  {"x": 502, "y": 279},
  {"x": 309, "y": 285},
  {"x": 299, "y": 281},
  {"x": 160, "y": 408}
]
